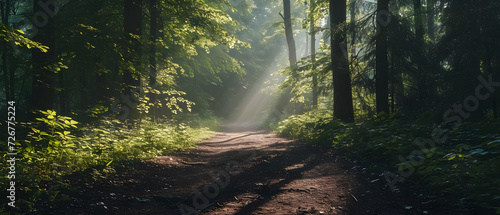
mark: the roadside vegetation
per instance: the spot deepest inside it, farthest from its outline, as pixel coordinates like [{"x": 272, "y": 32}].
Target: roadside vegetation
[
  {"x": 57, "y": 146},
  {"x": 462, "y": 172}
]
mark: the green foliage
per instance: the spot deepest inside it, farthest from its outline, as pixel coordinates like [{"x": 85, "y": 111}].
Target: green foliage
[
  {"x": 18, "y": 38},
  {"x": 58, "y": 145},
  {"x": 315, "y": 127},
  {"x": 464, "y": 168},
  {"x": 171, "y": 99}
]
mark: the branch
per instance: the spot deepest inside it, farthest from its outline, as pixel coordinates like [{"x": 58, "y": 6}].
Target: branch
[{"x": 282, "y": 16}]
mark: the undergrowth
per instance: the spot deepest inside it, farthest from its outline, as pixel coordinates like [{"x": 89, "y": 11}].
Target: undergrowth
[
  {"x": 56, "y": 146},
  {"x": 463, "y": 168}
]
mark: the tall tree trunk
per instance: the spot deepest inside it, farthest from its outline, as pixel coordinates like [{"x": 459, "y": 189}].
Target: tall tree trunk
[
  {"x": 131, "y": 82},
  {"x": 352, "y": 10},
  {"x": 382, "y": 65},
  {"x": 306, "y": 51},
  {"x": 422, "y": 79},
  {"x": 153, "y": 34},
  {"x": 342, "y": 92},
  {"x": 12, "y": 88},
  {"x": 313, "y": 56},
  {"x": 392, "y": 79},
  {"x": 5, "y": 8},
  {"x": 352, "y": 6},
  {"x": 292, "y": 54},
  {"x": 430, "y": 18},
  {"x": 43, "y": 96}
]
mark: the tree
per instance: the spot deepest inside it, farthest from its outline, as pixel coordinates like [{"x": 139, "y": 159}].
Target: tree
[
  {"x": 292, "y": 55},
  {"x": 342, "y": 92},
  {"x": 469, "y": 48},
  {"x": 313, "y": 55},
  {"x": 382, "y": 64},
  {"x": 422, "y": 80},
  {"x": 430, "y": 19},
  {"x": 9, "y": 83},
  {"x": 285, "y": 96},
  {"x": 153, "y": 35},
  {"x": 131, "y": 82},
  {"x": 43, "y": 96}
]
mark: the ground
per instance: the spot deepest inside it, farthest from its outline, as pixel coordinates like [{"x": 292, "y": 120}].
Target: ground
[{"x": 243, "y": 172}]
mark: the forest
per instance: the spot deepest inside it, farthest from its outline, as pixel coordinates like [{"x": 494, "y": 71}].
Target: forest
[{"x": 250, "y": 106}]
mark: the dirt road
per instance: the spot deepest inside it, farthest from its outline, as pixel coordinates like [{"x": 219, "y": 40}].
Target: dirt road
[{"x": 242, "y": 172}]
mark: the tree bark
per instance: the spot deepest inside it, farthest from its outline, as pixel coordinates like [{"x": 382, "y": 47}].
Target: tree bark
[
  {"x": 292, "y": 54},
  {"x": 5, "y": 7},
  {"x": 382, "y": 65},
  {"x": 353, "y": 26},
  {"x": 306, "y": 51},
  {"x": 342, "y": 92},
  {"x": 422, "y": 79},
  {"x": 43, "y": 95},
  {"x": 313, "y": 56},
  {"x": 131, "y": 82},
  {"x": 153, "y": 34},
  {"x": 430, "y": 19}
]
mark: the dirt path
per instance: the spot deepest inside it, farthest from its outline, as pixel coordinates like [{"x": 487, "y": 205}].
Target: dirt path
[{"x": 242, "y": 172}]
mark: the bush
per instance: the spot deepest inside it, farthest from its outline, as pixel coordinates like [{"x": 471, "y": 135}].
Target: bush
[
  {"x": 56, "y": 146},
  {"x": 315, "y": 127},
  {"x": 465, "y": 167}
]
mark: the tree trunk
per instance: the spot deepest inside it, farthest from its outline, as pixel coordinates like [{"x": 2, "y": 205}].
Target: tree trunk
[
  {"x": 313, "y": 56},
  {"x": 353, "y": 27},
  {"x": 430, "y": 19},
  {"x": 153, "y": 34},
  {"x": 292, "y": 53},
  {"x": 422, "y": 74},
  {"x": 306, "y": 51},
  {"x": 352, "y": 8},
  {"x": 292, "y": 56},
  {"x": 5, "y": 7},
  {"x": 43, "y": 96},
  {"x": 342, "y": 92},
  {"x": 131, "y": 82},
  {"x": 382, "y": 65}
]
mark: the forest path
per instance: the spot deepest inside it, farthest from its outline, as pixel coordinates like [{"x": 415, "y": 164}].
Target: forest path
[{"x": 242, "y": 172}]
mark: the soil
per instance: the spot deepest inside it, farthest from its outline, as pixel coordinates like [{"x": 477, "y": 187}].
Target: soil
[{"x": 243, "y": 172}]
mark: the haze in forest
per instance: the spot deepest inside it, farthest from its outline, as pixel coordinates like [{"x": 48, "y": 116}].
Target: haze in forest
[{"x": 407, "y": 88}]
